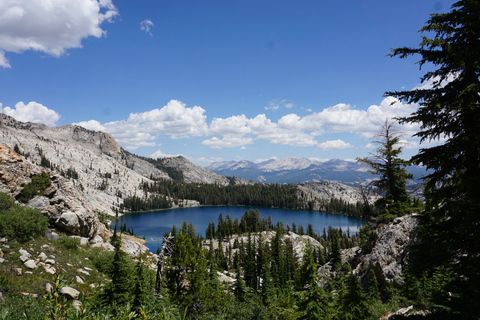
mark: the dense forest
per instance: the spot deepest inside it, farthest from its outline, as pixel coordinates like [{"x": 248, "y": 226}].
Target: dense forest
[{"x": 161, "y": 193}]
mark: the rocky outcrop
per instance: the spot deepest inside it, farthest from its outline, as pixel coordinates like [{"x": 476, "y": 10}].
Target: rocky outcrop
[
  {"x": 321, "y": 191},
  {"x": 299, "y": 243},
  {"x": 64, "y": 204},
  {"x": 196, "y": 174},
  {"x": 387, "y": 252}
]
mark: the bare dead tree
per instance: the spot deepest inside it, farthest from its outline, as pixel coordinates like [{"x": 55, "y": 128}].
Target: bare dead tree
[{"x": 166, "y": 250}]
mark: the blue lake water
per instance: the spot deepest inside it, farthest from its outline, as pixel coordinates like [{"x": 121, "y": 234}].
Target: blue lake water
[{"x": 152, "y": 225}]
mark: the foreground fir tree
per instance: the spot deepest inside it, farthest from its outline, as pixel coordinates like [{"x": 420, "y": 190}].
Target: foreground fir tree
[
  {"x": 386, "y": 163},
  {"x": 450, "y": 111}
]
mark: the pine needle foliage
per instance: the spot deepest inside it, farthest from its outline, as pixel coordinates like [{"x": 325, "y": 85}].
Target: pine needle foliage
[{"x": 449, "y": 111}]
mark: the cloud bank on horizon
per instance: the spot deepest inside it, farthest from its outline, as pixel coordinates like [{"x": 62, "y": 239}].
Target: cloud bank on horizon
[{"x": 177, "y": 121}]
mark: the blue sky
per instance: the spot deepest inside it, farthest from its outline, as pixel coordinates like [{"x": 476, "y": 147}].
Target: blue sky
[{"x": 214, "y": 80}]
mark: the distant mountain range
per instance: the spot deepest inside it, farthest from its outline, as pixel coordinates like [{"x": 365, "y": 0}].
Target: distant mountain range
[{"x": 298, "y": 170}]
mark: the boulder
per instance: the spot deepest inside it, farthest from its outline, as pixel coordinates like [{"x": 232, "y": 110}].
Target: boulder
[
  {"x": 38, "y": 202},
  {"x": 388, "y": 252}
]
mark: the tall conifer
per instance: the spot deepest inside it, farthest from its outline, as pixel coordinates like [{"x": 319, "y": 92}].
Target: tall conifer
[{"x": 449, "y": 110}]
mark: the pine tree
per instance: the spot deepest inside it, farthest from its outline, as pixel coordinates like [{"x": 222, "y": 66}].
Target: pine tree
[
  {"x": 315, "y": 303},
  {"x": 449, "y": 109},
  {"x": 373, "y": 291},
  {"x": 119, "y": 290},
  {"x": 385, "y": 162},
  {"x": 336, "y": 254},
  {"x": 239, "y": 288},
  {"x": 353, "y": 302},
  {"x": 143, "y": 293}
]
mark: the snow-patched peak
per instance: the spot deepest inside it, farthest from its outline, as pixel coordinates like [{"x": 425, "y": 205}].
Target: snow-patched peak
[
  {"x": 288, "y": 163},
  {"x": 231, "y": 165}
]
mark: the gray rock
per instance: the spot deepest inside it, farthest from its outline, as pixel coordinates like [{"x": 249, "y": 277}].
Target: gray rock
[
  {"x": 2, "y": 260},
  {"x": 69, "y": 292},
  {"x": 389, "y": 252},
  {"x": 38, "y": 202},
  {"x": 83, "y": 241},
  {"x": 97, "y": 241},
  {"x": 69, "y": 221},
  {"x": 52, "y": 235},
  {"x": 30, "y": 264}
]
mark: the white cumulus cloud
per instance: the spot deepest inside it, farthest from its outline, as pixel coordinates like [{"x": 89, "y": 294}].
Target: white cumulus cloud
[
  {"x": 91, "y": 125},
  {"x": 159, "y": 154},
  {"x": 32, "y": 112},
  {"x": 334, "y": 145},
  {"x": 143, "y": 129},
  {"x": 50, "y": 26}
]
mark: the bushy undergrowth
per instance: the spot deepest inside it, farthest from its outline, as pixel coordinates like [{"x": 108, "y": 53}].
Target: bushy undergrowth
[
  {"x": 35, "y": 188},
  {"x": 20, "y": 223}
]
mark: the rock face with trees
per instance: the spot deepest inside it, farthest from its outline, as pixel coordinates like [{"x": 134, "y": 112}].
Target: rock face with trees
[{"x": 64, "y": 205}]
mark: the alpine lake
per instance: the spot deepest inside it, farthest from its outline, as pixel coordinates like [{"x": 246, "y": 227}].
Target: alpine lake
[{"x": 153, "y": 225}]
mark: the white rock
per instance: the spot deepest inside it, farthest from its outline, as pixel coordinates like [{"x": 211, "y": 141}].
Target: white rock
[
  {"x": 50, "y": 261},
  {"x": 78, "y": 279},
  {"x": 97, "y": 241},
  {"x": 83, "y": 271},
  {"x": 30, "y": 264},
  {"x": 69, "y": 292},
  {"x": 24, "y": 253},
  {"x": 77, "y": 305},
  {"x": 50, "y": 270},
  {"x": 48, "y": 287},
  {"x": 42, "y": 256}
]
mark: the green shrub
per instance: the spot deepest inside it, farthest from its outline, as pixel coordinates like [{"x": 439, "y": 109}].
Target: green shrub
[
  {"x": 101, "y": 259},
  {"x": 34, "y": 188},
  {"x": 70, "y": 243},
  {"x": 6, "y": 202},
  {"x": 20, "y": 223}
]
